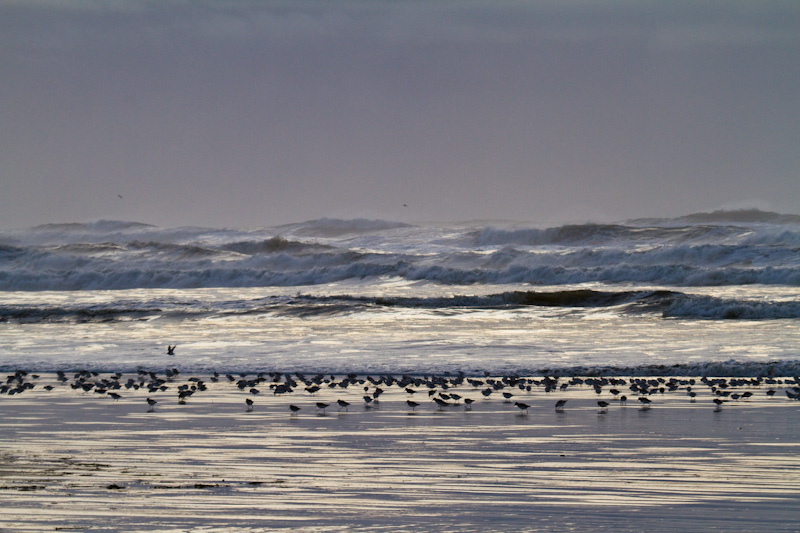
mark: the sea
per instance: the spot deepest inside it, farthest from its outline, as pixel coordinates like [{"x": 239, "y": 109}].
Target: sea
[{"x": 714, "y": 294}]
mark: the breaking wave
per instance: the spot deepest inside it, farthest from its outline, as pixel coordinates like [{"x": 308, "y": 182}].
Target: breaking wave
[
  {"x": 667, "y": 304},
  {"x": 125, "y": 255},
  {"x": 335, "y": 227}
]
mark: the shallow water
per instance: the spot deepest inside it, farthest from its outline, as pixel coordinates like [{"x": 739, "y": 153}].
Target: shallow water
[{"x": 70, "y": 460}]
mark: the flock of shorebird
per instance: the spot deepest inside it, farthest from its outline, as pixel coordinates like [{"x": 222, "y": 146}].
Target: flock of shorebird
[{"x": 440, "y": 390}]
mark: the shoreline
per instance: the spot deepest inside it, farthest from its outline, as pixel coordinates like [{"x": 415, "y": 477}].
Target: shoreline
[{"x": 71, "y": 459}]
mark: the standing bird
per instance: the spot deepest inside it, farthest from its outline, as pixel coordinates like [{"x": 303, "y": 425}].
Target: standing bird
[
  {"x": 718, "y": 403},
  {"x": 603, "y": 405},
  {"x": 468, "y": 404},
  {"x": 560, "y": 405},
  {"x": 412, "y": 404},
  {"x": 152, "y": 403},
  {"x": 523, "y": 407},
  {"x": 293, "y": 409},
  {"x": 645, "y": 403},
  {"x": 343, "y": 405},
  {"x": 249, "y": 403},
  {"x": 322, "y": 406}
]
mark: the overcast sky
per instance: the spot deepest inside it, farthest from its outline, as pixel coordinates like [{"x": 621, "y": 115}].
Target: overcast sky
[{"x": 249, "y": 114}]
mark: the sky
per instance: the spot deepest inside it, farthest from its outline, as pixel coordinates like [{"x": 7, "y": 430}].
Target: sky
[{"x": 253, "y": 114}]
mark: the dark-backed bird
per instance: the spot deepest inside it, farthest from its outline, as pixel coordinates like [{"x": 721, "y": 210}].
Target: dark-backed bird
[
  {"x": 468, "y": 404},
  {"x": 522, "y": 406},
  {"x": 293, "y": 408},
  {"x": 249, "y": 403},
  {"x": 603, "y": 405},
  {"x": 152, "y": 403},
  {"x": 322, "y": 406},
  {"x": 343, "y": 405},
  {"x": 560, "y": 405},
  {"x": 171, "y": 349},
  {"x": 718, "y": 403},
  {"x": 412, "y": 404}
]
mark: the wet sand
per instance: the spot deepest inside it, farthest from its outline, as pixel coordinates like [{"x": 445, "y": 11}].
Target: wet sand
[{"x": 79, "y": 461}]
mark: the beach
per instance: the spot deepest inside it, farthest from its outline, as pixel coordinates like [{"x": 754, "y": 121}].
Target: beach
[{"x": 81, "y": 461}]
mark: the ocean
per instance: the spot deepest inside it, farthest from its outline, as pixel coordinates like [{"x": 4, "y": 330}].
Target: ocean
[{"x": 704, "y": 294}]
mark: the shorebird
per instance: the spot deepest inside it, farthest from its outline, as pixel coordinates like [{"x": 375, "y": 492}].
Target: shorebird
[
  {"x": 412, "y": 404},
  {"x": 293, "y": 408},
  {"x": 623, "y": 400},
  {"x": 645, "y": 403},
  {"x": 507, "y": 396},
  {"x": 322, "y": 406},
  {"x": 468, "y": 404},
  {"x": 152, "y": 403},
  {"x": 522, "y": 407},
  {"x": 603, "y": 406},
  {"x": 560, "y": 405},
  {"x": 343, "y": 405},
  {"x": 171, "y": 349},
  {"x": 249, "y": 403},
  {"x": 441, "y": 403},
  {"x": 718, "y": 403}
]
